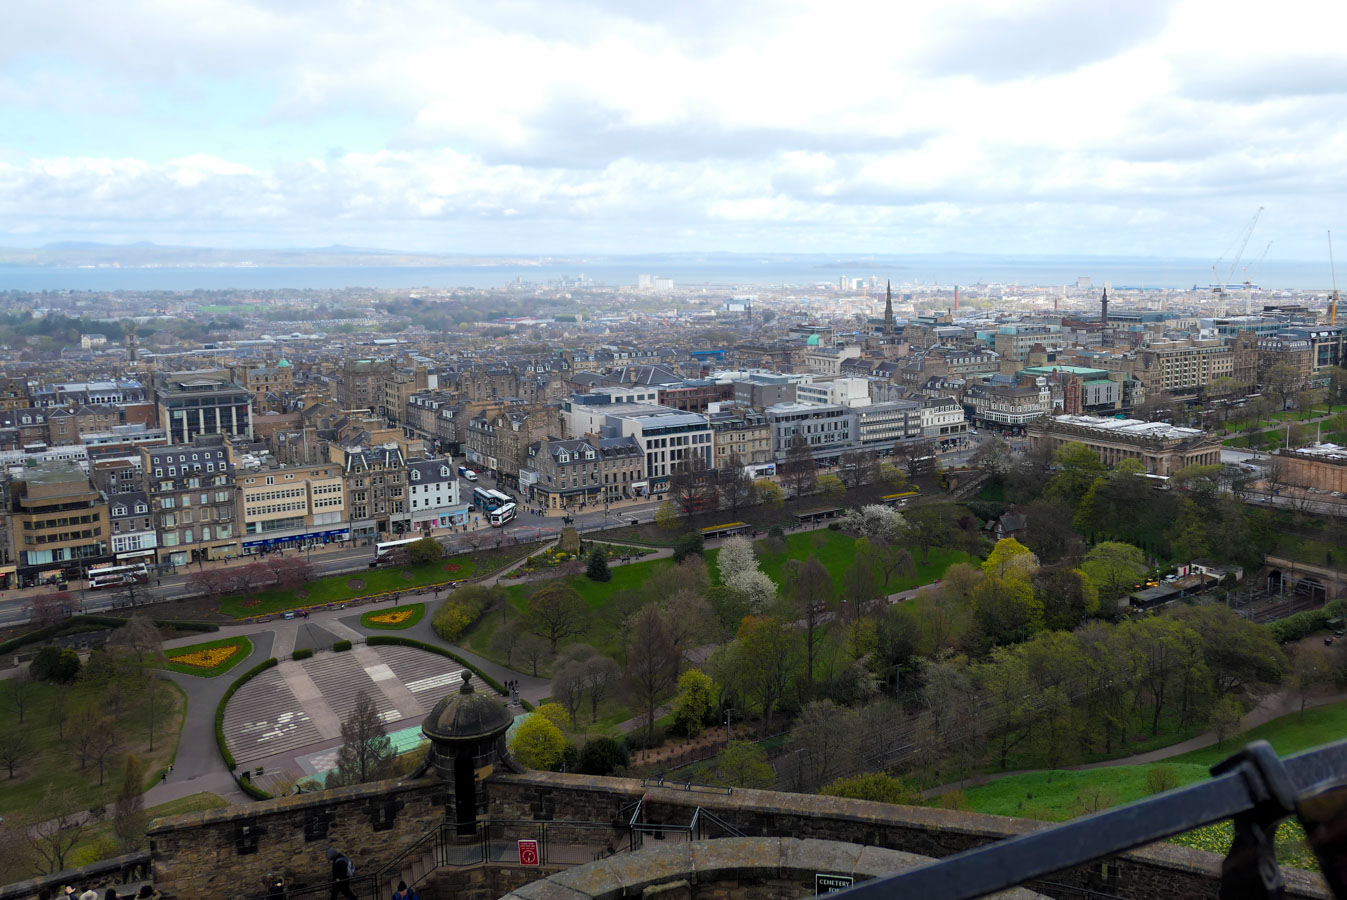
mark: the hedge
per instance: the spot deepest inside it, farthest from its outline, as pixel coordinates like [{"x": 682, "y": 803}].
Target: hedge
[
  {"x": 377, "y": 639},
  {"x": 252, "y": 790},
  {"x": 84, "y": 621},
  {"x": 224, "y": 701},
  {"x": 305, "y": 653},
  {"x": 339, "y": 646},
  {"x": 1302, "y": 624}
]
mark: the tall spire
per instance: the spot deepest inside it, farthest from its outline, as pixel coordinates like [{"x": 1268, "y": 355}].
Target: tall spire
[
  {"x": 888, "y": 307},
  {"x": 1103, "y": 308}
]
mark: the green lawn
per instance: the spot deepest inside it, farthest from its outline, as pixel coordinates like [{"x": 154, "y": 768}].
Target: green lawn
[
  {"x": 100, "y": 843},
  {"x": 1306, "y": 550},
  {"x": 340, "y": 588},
  {"x": 836, "y": 551},
  {"x": 56, "y": 762},
  {"x": 417, "y": 610},
  {"x": 1289, "y": 734},
  {"x": 243, "y": 649}
]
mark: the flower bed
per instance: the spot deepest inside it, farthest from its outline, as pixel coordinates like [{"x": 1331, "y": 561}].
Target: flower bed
[
  {"x": 394, "y": 617},
  {"x": 209, "y": 659}
]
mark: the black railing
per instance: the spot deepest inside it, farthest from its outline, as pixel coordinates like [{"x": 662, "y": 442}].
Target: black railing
[{"x": 1255, "y": 788}]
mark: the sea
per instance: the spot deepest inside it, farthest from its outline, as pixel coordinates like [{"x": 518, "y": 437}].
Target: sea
[{"x": 737, "y": 273}]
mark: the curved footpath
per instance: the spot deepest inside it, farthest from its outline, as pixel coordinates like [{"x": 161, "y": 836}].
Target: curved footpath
[{"x": 1273, "y": 706}]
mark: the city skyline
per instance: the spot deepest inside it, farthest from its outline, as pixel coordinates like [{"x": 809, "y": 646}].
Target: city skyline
[{"x": 1150, "y": 129}]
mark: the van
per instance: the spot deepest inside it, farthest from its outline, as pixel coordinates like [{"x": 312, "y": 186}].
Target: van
[{"x": 466, "y": 473}]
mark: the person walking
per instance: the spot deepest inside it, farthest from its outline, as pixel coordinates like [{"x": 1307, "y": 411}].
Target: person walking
[
  {"x": 343, "y": 870},
  {"x": 405, "y": 893}
]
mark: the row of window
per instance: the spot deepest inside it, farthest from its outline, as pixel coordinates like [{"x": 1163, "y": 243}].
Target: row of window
[
  {"x": 62, "y": 537},
  {"x": 220, "y": 532}
]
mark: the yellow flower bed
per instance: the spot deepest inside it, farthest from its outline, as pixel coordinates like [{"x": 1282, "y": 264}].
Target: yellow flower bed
[
  {"x": 206, "y": 659},
  {"x": 393, "y": 618}
]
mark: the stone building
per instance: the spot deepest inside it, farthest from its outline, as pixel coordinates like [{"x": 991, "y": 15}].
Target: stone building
[
  {"x": 191, "y": 489},
  {"x": 190, "y": 404},
  {"x": 562, "y": 474},
  {"x": 376, "y": 489},
  {"x": 1183, "y": 367},
  {"x": 740, "y": 431},
  {"x": 291, "y": 505},
  {"x": 361, "y": 385},
  {"x": 433, "y": 496},
  {"x": 1163, "y": 449},
  {"x": 1321, "y": 467},
  {"x": 58, "y": 522}
]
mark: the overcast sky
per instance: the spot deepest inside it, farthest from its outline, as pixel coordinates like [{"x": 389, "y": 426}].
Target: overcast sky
[{"x": 1065, "y": 126}]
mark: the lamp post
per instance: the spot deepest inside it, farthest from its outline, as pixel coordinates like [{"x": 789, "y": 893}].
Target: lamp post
[{"x": 729, "y": 716}]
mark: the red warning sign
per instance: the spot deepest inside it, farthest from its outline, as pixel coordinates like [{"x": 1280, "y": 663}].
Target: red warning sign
[{"x": 528, "y": 853}]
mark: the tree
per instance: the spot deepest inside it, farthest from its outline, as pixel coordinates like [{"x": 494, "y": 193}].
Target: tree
[
  {"x": 831, "y": 487},
  {"x": 743, "y": 764},
  {"x": 128, "y": 812},
  {"x": 666, "y": 517},
  {"x": 532, "y": 650},
  {"x": 538, "y": 743},
  {"x": 55, "y": 664},
  {"x": 597, "y": 569},
  {"x": 16, "y": 749},
  {"x": 568, "y": 687},
  {"x": 692, "y": 544},
  {"x": 48, "y": 609},
  {"x": 876, "y": 522},
  {"x": 1069, "y": 596},
  {"x": 762, "y": 661},
  {"x": 1225, "y": 718},
  {"x": 1077, "y": 468},
  {"x": 139, "y": 642},
  {"x": 696, "y": 697},
  {"x": 1335, "y": 394},
  {"x": 917, "y": 458},
  {"x": 20, "y": 691},
  {"x": 57, "y": 825},
  {"x": 1006, "y": 608},
  {"x": 652, "y": 663},
  {"x": 505, "y": 640},
  {"x": 601, "y": 674},
  {"x": 555, "y": 611},
  {"x": 104, "y": 738},
  {"x": 556, "y": 714},
  {"x": 1310, "y": 669},
  {"x": 992, "y": 458},
  {"x": 859, "y": 587},
  {"x": 929, "y": 527},
  {"x": 1114, "y": 567},
  {"x": 692, "y": 486},
  {"x": 366, "y": 751},
  {"x": 811, "y": 591},
  {"x": 736, "y": 487},
  {"x": 739, "y": 571},
  {"x": 1282, "y": 381},
  {"x": 798, "y": 467},
  {"x": 1010, "y": 557},
  {"x": 426, "y": 550},
  {"x": 822, "y": 744},
  {"x": 769, "y": 493},
  {"x": 875, "y": 786},
  {"x": 603, "y": 756}
]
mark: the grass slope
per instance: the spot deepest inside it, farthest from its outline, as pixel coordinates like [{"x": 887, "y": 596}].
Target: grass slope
[{"x": 339, "y": 588}]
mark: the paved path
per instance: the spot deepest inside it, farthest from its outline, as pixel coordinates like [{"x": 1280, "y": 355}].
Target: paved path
[{"x": 1273, "y": 706}]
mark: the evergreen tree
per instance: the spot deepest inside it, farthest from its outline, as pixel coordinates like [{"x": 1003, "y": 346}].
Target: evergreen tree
[{"x": 598, "y": 566}]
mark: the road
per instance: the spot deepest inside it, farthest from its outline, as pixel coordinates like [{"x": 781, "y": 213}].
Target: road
[{"x": 14, "y": 605}]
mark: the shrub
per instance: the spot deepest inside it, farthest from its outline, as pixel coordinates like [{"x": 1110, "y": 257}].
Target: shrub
[
  {"x": 689, "y": 545},
  {"x": 873, "y": 786},
  {"x": 637, "y": 740},
  {"x": 461, "y": 610},
  {"x": 538, "y": 743},
  {"x": 339, "y": 646},
  {"x": 1303, "y": 624},
  {"x": 955, "y": 799},
  {"x": 598, "y": 567},
  {"x": 301, "y": 654},
  {"x": 1161, "y": 778},
  {"x": 603, "y": 756},
  {"x": 54, "y": 663}
]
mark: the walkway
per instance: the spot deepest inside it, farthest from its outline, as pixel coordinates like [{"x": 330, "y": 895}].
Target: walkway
[{"x": 1273, "y": 706}]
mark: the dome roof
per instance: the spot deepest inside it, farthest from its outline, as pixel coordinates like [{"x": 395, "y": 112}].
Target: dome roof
[{"x": 466, "y": 716}]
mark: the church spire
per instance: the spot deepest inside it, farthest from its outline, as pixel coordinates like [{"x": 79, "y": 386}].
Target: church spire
[{"x": 888, "y": 307}]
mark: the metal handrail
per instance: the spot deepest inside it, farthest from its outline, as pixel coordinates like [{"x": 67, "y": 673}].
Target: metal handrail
[{"x": 1254, "y": 787}]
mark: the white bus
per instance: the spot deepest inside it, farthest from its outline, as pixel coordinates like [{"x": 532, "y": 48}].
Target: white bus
[
  {"x": 762, "y": 470},
  {"x": 384, "y": 551},
  {"x": 503, "y": 515},
  {"x": 487, "y": 499},
  {"x": 104, "y": 577}
]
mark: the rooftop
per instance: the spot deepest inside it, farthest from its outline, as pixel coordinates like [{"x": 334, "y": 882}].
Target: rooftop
[{"x": 1130, "y": 427}]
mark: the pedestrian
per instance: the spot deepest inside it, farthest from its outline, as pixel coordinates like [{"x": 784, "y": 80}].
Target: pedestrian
[
  {"x": 342, "y": 872},
  {"x": 405, "y": 893},
  {"x": 110, "y": 894},
  {"x": 277, "y": 888}
]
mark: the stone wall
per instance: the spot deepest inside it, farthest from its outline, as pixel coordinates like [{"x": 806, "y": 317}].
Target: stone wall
[{"x": 228, "y": 852}]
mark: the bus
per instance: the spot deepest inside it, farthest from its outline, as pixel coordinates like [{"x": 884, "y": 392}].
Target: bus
[
  {"x": 486, "y": 499},
  {"x": 104, "y": 577},
  {"x": 384, "y": 552},
  {"x": 761, "y": 470},
  {"x": 503, "y": 515}
]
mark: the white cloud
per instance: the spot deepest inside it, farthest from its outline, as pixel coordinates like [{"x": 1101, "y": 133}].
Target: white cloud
[{"x": 1150, "y": 126}]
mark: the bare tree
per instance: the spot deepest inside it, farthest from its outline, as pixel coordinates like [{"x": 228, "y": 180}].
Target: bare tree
[
  {"x": 366, "y": 750},
  {"x": 103, "y": 743},
  {"x": 48, "y": 609},
  {"x": 555, "y": 611},
  {"x": 532, "y": 650},
  {"x": 20, "y": 692},
  {"x": 568, "y": 687},
  {"x": 798, "y": 468},
  {"x": 128, "y": 812},
  {"x": 58, "y": 710},
  {"x": 58, "y": 824},
  {"x": 652, "y": 663},
  {"x": 916, "y": 457},
  {"x": 692, "y": 486},
  {"x": 601, "y": 675},
  {"x": 736, "y": 487},
  {"x": 15, "y": 749},
  {"x": 811, "y": 591},
  {"x": 506, "y": 640}
]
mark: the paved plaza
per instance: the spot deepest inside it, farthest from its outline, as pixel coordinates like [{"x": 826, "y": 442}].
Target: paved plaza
[{"x": 288, "y": 719}]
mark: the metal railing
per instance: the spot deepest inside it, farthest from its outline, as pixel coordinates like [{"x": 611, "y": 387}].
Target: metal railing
[{"x": 1255, "y": 788}]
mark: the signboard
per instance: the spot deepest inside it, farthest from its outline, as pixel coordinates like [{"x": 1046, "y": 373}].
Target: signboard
[
  {"x": 828, "y": 884},
  {"x": 528, "y": 853}
]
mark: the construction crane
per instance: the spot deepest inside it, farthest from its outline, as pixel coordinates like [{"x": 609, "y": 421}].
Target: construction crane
[
  {"x": 1219, "y": 284},
  {"x": 1251, "y": 272}
]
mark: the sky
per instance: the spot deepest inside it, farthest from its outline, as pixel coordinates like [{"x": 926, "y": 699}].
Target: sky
[{"x": 1092, "y": 127}]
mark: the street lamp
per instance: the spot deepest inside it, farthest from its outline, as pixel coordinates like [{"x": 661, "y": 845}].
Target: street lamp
[{"x": 729, "y": 716}]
